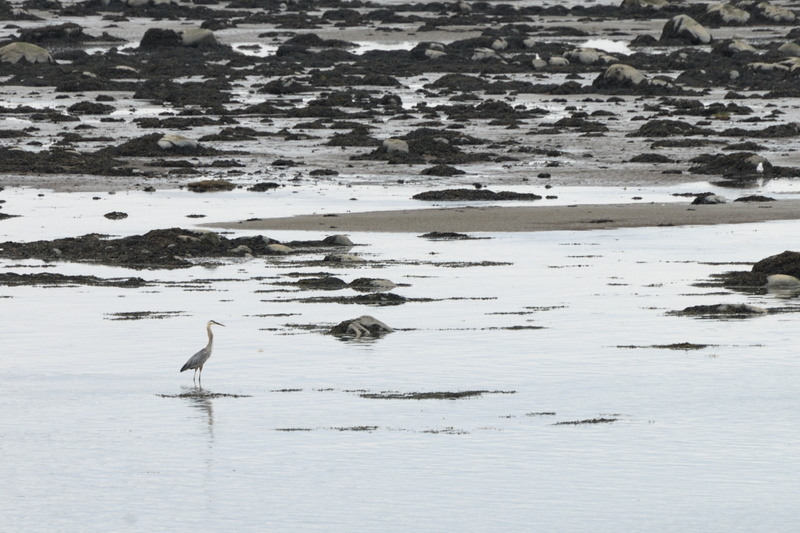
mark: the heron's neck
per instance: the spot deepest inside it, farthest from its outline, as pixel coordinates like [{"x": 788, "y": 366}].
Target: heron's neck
[{"x": 210, "y": 335}]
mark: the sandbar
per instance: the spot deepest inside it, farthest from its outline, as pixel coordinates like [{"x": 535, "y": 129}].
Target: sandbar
[{"x": 530, "y": 218}]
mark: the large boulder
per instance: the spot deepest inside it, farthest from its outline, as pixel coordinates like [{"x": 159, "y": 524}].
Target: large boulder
[
  {"x": 620, "y": 75},
  {"x": 25, "y": 53},
  {"x": 685, "y": 28}
]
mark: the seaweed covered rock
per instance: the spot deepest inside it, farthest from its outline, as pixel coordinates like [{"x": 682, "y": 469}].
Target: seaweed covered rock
[
  {"x": 363, "y": 326},
  {"x": 473, "y": 195},
  {"x": 787, "y": 263}
]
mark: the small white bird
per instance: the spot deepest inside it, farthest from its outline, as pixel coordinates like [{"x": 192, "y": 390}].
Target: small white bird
[{"x": 760, "y": 168}]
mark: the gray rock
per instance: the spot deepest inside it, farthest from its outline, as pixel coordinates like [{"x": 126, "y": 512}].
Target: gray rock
[
  {"x": 395, "y": 146},
  {"x": 790, "y": 49},
  {"x": 198, "y": 37},
  {"x": 775, "y": 13},
  {"x": 337, "y": 240},
  {"x": 685, "y": 28},
  {"x": 728, "y": 14},
  {"x": 16, "y": 52}
]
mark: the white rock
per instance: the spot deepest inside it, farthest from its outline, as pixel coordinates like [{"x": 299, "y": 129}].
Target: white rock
[
  {"x": 483, "y": 53},
  {"x": 624, "y": 74},
  {"x": 775, "y": 13},
  {"x": 279, "y": 248},
  {"x": 198, "y": 36},
  {"x": 583, "y": 55},
  {"x": 395, "y": 146},
  {"x": 176, "y": 141},
  {"x": 782, "y": 281},
  {"x": 16, "y": 52},
  {"x": 685, "y": 27},
  {"x": 740, "y": 46},
  {"x": 729, "y": 14},
  {"x": 558, "y": 62}
]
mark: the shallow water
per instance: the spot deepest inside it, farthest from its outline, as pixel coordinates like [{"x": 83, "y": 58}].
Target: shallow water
[{"x": 557, "y": 326}]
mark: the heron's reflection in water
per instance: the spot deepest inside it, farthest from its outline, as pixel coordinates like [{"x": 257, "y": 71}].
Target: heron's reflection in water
[{"x": 202, "y": 400}]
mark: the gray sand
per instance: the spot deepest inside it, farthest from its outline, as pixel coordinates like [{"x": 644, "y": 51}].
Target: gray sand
[{"x": 546, "y": 218}]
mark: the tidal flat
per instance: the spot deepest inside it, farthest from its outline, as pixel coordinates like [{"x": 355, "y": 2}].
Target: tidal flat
[{"x": 601, "y": 377}]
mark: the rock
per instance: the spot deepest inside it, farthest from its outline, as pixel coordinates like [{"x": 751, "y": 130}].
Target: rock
[
  {"x": 731, "y": 310},
  {"x": 116, "y": 215},
  {"x": 392, "y": 146},
  {"x": 483, "y": 53},
  {"x": 176, "y": 141},
  {"x": 442, "y": 170},
  {"x": 278, "y": 249},
  {"x": 782, "y": 281},
  {"x": 210, "y": 186},
  {"x": 342, "y": 258},
  {"x": 158, "y": 37},
  {"x": 622, "y": 75},
  {"x": 538, "y": 64},
  {"x": 473, "y": 195},
  {"x": 263, "y": 186},
  {"x": 198, "y": 37},
  {"x": 787, "y": 262},
  {"x": 654, "y": 5},
  {"x": 736, "y": 46},
  {"x": 24, "y": 52},
  {"x": 372, "y": 285},
  {"x": 727, "y": 14},
  {"x": 337, "y": 240},
  {"x": 583, "y": 55},
  {"x": 558, "y": 62},
  {"x": 499, "y": 44},
  {"x": 709, "y": 199},
  {"x": 363, "y": 326},
  {"x": 774, "y": 13},
  {"x": 790, "y": 49},
  {"x": 685, "y": 28},
  {"x": 241, "y": 250}
]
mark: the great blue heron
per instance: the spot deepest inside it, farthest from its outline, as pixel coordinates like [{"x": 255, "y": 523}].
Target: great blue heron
[{"x": 197, "y": 361}]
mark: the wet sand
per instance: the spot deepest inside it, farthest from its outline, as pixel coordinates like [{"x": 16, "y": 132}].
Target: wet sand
[{"x": 531, "y": 218}]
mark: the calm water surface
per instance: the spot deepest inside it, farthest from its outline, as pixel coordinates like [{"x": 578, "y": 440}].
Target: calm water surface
[{"x": 558, "y": 327}]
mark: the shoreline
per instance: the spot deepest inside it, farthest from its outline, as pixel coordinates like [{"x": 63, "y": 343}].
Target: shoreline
[{"x": 529, "y": 218}]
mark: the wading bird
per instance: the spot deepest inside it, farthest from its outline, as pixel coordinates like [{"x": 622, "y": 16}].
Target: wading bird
[{"x": 197, "y": 361}]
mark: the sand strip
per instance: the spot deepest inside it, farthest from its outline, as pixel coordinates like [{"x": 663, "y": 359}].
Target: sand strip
[{"x": 530, "y": 218}]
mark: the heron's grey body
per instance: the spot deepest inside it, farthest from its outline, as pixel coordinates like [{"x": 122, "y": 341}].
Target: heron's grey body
[{"x": 197, "y": 361}]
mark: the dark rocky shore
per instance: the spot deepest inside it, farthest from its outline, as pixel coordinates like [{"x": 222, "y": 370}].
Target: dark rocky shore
[{"x": 460, "y": 97}]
